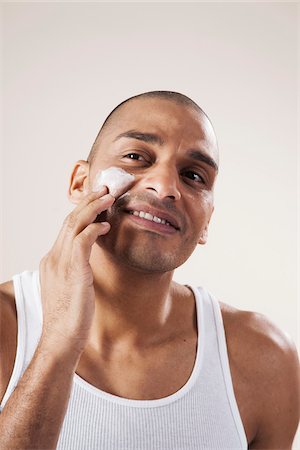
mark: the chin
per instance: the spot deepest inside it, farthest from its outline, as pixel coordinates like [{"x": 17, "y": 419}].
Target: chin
[
  {"x": 151, "y": 261},
  {"x": 143, "y": 252}
]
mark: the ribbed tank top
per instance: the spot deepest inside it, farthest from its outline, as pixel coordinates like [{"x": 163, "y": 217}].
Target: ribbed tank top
[{"x": 203, "y": 414}]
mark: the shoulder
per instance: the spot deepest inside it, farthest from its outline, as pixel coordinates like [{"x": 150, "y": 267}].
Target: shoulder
[
  {"x": 266, "y": 361},
  {"x": 264, "y": 341},
  {"x": 7, "y": 300},
  {"x": 8, "y": 334},
  {"x": 258, "y": 328},
  {"x": 7, "y": 304}
]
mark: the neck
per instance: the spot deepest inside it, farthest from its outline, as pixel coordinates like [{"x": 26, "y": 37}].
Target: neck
[{"x": 132, "y": 308}]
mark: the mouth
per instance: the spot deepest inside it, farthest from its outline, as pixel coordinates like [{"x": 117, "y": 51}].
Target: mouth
[{"x": 154, "y": 217}]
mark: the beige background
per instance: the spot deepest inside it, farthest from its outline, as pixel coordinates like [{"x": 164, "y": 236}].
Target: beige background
[{"x": 66, "y": 66}]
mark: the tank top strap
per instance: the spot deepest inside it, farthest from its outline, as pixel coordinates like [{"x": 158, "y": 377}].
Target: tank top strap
[
  {"x": 33, "y": 312},
  {"x": 29, "y": 324},
  {"x": 216, "y": 352}
]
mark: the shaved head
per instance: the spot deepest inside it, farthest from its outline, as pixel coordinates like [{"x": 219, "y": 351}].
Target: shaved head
[{"x": 171, "y": 96}]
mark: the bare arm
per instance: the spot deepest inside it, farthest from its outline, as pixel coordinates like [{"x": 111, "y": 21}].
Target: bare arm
[
  {"x": 278, "y": 392},
  {"x": 33, "y": 415},
  {"x": 265, "y": 370}
]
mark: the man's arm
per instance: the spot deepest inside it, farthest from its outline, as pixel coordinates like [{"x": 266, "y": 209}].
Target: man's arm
[
  {"x": 265, "y": 372},
  {"x": 277, "y": 388},
  {"x": 33, "y": 415}
]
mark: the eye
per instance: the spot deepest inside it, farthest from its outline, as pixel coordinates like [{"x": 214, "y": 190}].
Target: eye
[
  {"x": 194, "y": 176},
  {"x": 134, "y": 156}
]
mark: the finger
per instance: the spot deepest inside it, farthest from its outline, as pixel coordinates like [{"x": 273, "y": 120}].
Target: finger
[
  {"x": 82, "y": 244},
  {"x": 88, "y": 214},
  {"x": 72, "y": 224},
  {"x": 90, "y": 197},
  {"x": 77, "y": 224}
]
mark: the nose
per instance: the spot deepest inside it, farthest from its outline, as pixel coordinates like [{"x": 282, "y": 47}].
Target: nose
[{"x": 164, "y": 181}]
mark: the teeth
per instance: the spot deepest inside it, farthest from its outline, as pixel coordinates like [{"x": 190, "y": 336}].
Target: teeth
[{"x": 148, "y": 216}]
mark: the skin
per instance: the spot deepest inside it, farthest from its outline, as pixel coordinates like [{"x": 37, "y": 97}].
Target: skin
[{"x": 134, "y": 316}]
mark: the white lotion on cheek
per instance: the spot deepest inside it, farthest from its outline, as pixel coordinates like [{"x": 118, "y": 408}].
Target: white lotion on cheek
[{"x": 117, "y": 180}]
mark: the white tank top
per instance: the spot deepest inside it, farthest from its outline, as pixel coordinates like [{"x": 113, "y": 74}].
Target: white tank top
[{"x": 203, "y": 414}]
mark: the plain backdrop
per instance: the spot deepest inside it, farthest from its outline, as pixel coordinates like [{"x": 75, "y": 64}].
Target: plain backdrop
[{"x": 67, "y": 65}]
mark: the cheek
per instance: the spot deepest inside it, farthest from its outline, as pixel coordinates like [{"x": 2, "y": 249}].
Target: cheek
[
  {"x": 101, "y": 162},
  {"x": 199, "y": 212},
  {"x": 201, "y": 206}
]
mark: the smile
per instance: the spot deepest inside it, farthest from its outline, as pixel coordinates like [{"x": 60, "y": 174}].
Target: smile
[
  {"x": 147, "y": 216},
  {"x": 157, "y": 216}
]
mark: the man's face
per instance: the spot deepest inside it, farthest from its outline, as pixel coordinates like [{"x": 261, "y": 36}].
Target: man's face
[{"x": 161, "y": 144}]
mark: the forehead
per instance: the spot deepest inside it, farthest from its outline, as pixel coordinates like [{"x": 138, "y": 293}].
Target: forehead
[{"x": 173, "y": 122}]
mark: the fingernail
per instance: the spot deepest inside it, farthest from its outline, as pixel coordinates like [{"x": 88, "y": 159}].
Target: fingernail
[
  {"x": 105, "y": 224},
  {"x": 98, "y": 188}
]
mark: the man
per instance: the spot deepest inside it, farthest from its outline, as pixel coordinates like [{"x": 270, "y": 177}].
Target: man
[{"x": 111, "y": 353}]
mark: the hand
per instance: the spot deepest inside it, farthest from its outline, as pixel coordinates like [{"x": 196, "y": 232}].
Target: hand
[{"x": 66, "y": 277}]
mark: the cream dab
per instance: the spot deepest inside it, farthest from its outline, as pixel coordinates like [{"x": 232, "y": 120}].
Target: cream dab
[{"x": 117, "y": 180}]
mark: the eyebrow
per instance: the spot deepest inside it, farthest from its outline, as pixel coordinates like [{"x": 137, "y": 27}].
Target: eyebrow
[
  {"x": 197, "y": 155},
  {"x": 146, "y": 137}
]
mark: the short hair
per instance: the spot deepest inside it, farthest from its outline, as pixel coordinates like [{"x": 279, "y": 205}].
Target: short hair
[{"x": 165, "y": 95}]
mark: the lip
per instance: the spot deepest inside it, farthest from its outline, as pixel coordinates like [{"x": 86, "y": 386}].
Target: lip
[
  {"x": 154, "y": 212},
  {"x": 153, "y": 226}
]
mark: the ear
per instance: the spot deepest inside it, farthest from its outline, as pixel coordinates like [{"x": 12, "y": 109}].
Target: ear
[
  {"x": 204, "y": 234},
  {"x": 79, "y": 182}
]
